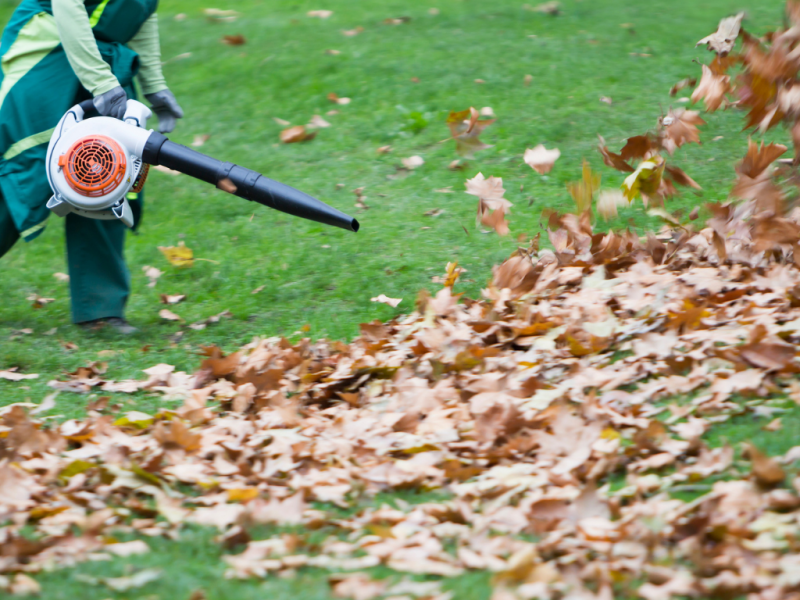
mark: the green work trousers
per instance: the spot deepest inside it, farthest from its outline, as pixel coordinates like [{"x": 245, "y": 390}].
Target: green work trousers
[{"x": 99, "y": 280}]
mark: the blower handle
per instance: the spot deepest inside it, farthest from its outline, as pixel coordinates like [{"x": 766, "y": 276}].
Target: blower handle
[
  {"x": 247, "y": 184},
  {"x": 87, "y": 106}
]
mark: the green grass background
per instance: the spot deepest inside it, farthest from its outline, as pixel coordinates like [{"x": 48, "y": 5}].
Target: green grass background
[{"x": 324, "y": 278}]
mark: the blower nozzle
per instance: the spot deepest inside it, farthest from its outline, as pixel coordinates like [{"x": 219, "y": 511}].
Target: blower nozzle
[{"x": 247, "y": 184}]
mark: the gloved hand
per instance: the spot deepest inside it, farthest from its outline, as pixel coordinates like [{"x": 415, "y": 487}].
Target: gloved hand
[
  {"x": 167, "y": 109},
  {"x": 113, "y": 103}
]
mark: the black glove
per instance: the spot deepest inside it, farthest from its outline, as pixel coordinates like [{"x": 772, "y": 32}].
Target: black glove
[
  {"x": 113, "y": 103},
  {"x": 167, "y": 109}
]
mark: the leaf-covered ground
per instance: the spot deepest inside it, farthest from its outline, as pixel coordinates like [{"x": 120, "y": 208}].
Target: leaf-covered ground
[
  {"x": 564, "y": 422},
  {"x": 599, "y": 424}
]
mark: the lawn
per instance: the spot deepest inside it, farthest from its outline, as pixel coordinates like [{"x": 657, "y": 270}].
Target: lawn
[{"x": 403, "y": 80}]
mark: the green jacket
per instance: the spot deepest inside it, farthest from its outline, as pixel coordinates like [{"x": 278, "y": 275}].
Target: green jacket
[{"x": 38, "y": 85}]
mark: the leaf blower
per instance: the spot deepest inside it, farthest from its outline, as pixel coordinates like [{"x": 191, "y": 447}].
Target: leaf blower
[{"x": 93, "y": 164}]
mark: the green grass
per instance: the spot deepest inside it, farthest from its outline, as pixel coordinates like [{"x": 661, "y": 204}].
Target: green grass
[
  {"x": 322, "y": 277},
  {"x": 194, "y": 563}
]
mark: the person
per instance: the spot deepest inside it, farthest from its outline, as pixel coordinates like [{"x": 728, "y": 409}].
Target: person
[{"x": 54, "y": 54}]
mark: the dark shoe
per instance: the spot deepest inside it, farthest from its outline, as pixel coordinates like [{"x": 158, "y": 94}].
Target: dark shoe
[{"x": 118, "y": 324}]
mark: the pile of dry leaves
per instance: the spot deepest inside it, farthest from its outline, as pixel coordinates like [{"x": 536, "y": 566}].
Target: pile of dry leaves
[
  {"x": 610, "y": 356},
  {"x": 605, "y": 359}
]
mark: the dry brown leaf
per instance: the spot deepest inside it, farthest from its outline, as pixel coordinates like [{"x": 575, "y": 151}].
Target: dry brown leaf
[
  {"x": 337, "y": 100},
  {"x": 723, "y": 39},
  {"x": 166, "y": 170},
  {"x": 712, "y": 89},
  {"x": 295, "y": 134},
  {"x": 172, "y": 299},
  {"x": 496, "y": 219},
  {"x": 234, "y": 40},
  {"x": 356, "y": 586},
  {"x": 152, "y": 274},
  {"x": 318, "y": 122},
  {"x": 583, "y": 191},
  {"x": 215, "y": 14},
  {"x": 226, "y": 185},
  {"x": 766, "y": 470},
  {"x": 383, "y": 299},
  {"x": 465, "y": 128},
  {"x": 489, "y": 190},
  {"x": 758, "y": 158},
  {"x": 13, "y": 375},
  {"x": 412, "y": 162},
  {"x": 608, "y": 202},
  {"x": 680, "y": 127},
  {"x": 540, "y": 159},
  {"x": 552, "y": 8},
  {"x": 168, "y": 315},
  {"x": 614, "y": 161}
]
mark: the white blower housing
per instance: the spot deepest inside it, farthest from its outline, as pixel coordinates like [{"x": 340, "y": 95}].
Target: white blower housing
[{"x": 93, "y": 164}]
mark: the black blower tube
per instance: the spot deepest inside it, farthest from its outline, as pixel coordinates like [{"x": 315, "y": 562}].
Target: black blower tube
[{"x": 249, "y": 185}]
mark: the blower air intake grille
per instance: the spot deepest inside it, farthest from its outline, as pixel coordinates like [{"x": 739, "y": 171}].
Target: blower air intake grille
[{"x": 94, "y": 166}]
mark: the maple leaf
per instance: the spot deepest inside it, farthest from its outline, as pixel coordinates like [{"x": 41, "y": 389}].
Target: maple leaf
[
  {"x": 775, "y": 64},
  {"x": 759, "y": 158},
  {"x": 540, "y": 159},
  {"x": 494, "y": 219},
  {"x": 176, "y": 436},
  {"x": 583, "y": 191},
  {"x": 759, "y": 95},
  {"x": 712, "y": 89},
  {"x": 179, "y": 256},
  {"x": 645, "y": 180},
  {"x": 465, "y": 127},
  {"x": 723, "y": 39},
  {"x": 489, "y": 191},
  {"x": 614, "y": 161},
  {"x": 679, "y": 128},
  {"x": 638, "y": 146}
]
